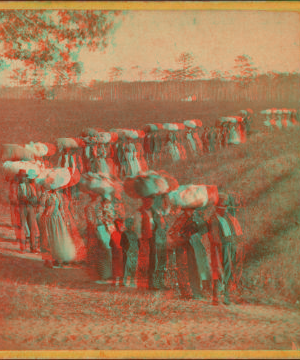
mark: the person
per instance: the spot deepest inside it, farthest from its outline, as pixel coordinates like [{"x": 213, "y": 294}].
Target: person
[
  {"x": 193, "y": 269},
  {"x": 68, "y": 216},
  {"x": 130, "y": 245},
  {"x": 180, "y": 145},
  {"x": 117, "y": 253},
  {"x": 27, "y": 199},
  {"x": 225, "y": 136},
  {"x": 100, "y": 164},
  {"x": 248, "y": 122},
  {"x": 57, "y": 245},
  {"x": 105, "y": 214},
  {"x": 199, "y": 144},
  {"x": 93, "y": 220},
  {"x": 15, "y": 208},
  {"x": 205, "y": 140},
  {"x": 143, "y": 226},
  {"x": 112, "y": 159},
  {"x": 191, "y": 144},
  {"x": 158, "y": 246},
  {"x": 212, "y": 139},
  {"x": 172, "y": 148},
  {"x": 140, "y": 157},
  {"x": 147, "y": 148},
  {"x": 218, "y": 138},
  {"x": 225, "y": 208},
  {"x": 136, "y": 163},
  {"x": 233, "y": 135}
]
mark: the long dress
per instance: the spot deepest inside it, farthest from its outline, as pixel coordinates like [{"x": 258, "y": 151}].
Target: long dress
[
  {"x": 199, "y": 144},
  {"x": 78, "y": 241},
  {"x": 140, "y": 157},
  {"x": 93, "y": 246},
  {"x": 173, "y": 151},
  {"x": 56, "y": 241},
  {"x": 137, "y": 167},
  {"x": 234, "y": 137},
  {"x": 117, "y": 254},
  {"x": 130, "y": 244},
  {"x": 100, "y": 162}
]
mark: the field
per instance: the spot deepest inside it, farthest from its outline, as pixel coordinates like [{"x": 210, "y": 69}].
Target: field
[{"x": 63, "y": 309}]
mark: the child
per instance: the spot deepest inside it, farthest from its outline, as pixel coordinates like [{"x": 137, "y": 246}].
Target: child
[{"x": 130, "y": 244}]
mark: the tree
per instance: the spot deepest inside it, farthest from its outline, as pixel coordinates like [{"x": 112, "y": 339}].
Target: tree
[
  {"x": 244, "y": 70},
  {"x": 156, "y": 73},
  {"x": 115, "y": 73},
  {"x": 51, "y": 40},
  {"x": 187, "y": 70}
]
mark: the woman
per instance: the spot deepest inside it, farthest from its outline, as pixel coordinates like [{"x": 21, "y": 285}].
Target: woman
[
  {"x": 160, "y": 242},
  {"x": 136, "y": 164},
  {"x": 130, "y": 245},
  {"x": 67, "y": 213},
  {"x": 117, "y": 253},
  {"x": 140, "y": 157},
  {"x": 172, "y": 148},
  {"x": 100, "y": 161},
  {"x": 56, "y": 242}
]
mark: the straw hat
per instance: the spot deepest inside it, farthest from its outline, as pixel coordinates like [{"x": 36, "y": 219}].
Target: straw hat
[{"x": 150, "y": 184}]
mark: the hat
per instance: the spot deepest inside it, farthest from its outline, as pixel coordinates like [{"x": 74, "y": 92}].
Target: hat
[
  {"x": 194, "y": 196},
  {"x": 150, "y": 184}
]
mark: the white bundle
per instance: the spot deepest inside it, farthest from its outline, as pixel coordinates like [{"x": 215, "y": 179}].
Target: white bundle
[
  {"x": 194, "y": 196},
  {"x": 170, "y": 127},
  {"x": 38, "y": 148},
  {"x": 190, "y": 124},
  {"x": 55, "y": 178},
  {"x": 67, "y": 143},
  {"x": 32, "y": 168},
  {"x": 104, "y": 137},
  {"x": 15, "y": 152}
]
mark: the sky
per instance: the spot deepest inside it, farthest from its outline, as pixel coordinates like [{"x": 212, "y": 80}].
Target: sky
[{"x": 150, "y": 39}]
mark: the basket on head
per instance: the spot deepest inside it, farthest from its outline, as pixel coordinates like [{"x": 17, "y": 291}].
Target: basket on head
[
  {"x": 55, "y": 178},
  {"x": 14, "y": 152},
  {"x": 149, "y": 184},
  {"x": 31, "y": 168},
  {"x": 194, "y": 196},
  {"x": 69, "y": 143},
  {"x": 98, "y": 183}
]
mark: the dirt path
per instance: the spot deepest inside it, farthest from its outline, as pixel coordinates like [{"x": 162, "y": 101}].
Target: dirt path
[{"x": 63, "y": 309}]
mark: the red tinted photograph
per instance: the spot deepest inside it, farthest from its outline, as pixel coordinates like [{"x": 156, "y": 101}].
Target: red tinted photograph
[{"x": 149, "y": 179}]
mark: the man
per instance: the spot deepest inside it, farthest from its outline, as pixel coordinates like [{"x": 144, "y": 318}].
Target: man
[{"x": 27, "y": 199}]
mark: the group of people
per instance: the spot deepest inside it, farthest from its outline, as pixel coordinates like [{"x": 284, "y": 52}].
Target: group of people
[{"x": 165, "y": 233}]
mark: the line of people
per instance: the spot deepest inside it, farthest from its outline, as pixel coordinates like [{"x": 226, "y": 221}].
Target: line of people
[{"x": 136, "y": 250}]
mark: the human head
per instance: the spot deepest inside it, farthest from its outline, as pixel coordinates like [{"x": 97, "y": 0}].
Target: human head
[
  {"x": 147, "y": 202},
  {"x": 22, "y": 175},
  {"x": 119, "y": 224}
]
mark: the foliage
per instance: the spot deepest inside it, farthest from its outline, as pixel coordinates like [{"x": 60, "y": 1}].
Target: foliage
[{"x": 51, "y": 41}]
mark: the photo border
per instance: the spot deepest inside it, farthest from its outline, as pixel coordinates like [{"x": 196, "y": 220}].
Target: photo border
[{"x": 287, "y": 6}]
